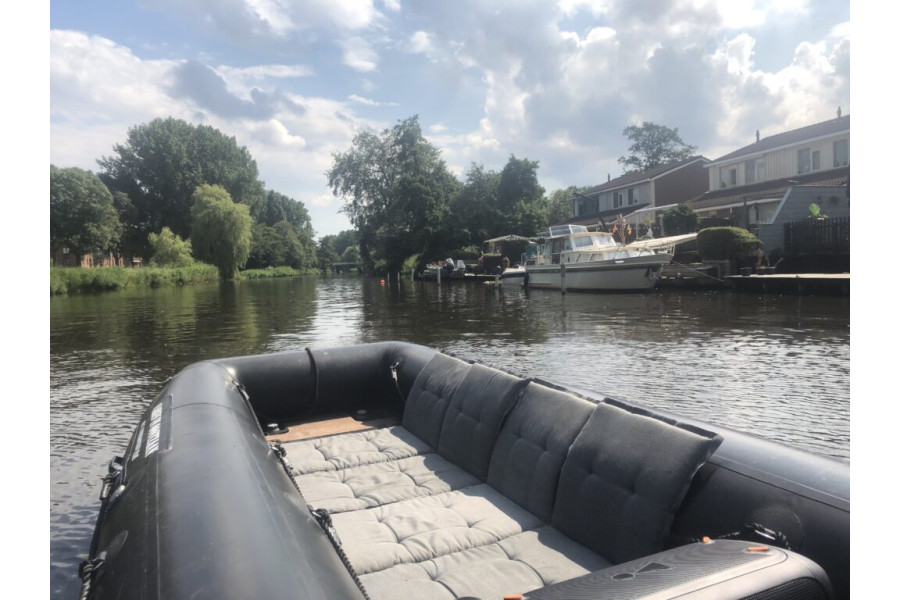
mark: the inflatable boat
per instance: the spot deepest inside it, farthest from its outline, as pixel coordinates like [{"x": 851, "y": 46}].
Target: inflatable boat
[{"x": 392, "y": 470}]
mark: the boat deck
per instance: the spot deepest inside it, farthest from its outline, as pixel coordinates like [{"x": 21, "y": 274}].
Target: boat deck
[{"x": 331, "y": 425}]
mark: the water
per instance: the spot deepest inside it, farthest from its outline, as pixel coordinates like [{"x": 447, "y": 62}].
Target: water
[{"x": 775, "y": 366}]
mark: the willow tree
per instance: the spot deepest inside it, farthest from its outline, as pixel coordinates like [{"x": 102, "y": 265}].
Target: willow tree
[
  {"x": 222, "y": 230},
  {"x": 397, "y": 192}
]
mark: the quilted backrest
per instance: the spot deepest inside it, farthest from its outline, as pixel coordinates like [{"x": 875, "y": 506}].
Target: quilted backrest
[
  {"x": 625, "y": 478},
  {"x": 477, "y": 410},
  {"x": 430, "y": 395},
  {"x": 532, "y": 445}
]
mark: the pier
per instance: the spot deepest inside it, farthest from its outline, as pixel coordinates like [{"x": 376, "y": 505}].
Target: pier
[{"x": 807, "y": 284}]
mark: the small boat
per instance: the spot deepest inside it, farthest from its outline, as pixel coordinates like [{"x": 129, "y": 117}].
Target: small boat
[
  {"x": 391, "y": 470},
  {"x": 512, "y": 276},
  {"x": 573, "y": 258}
]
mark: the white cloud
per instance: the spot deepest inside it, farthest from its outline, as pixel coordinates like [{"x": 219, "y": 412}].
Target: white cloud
[
  {"x": 368, "y": 101},
  {"x": 274, "y": 14},
  {"x": 420, "y": 43},
  {"x": 359, "y": 54}
]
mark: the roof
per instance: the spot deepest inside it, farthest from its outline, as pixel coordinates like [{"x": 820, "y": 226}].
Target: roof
[
  {"x": 789, "y": 138},
  {"x": 769, "y": 189},
  {"x": 594, "y": 218},
  {"x": 631, "y": 178}
]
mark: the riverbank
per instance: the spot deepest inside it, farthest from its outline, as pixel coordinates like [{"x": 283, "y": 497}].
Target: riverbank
[{"x": 74, "y": 280}]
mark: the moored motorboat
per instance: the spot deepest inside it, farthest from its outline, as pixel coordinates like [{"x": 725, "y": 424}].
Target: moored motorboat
[
  {"x": 392, "y": 470},
  {"x": 573, "y": 258}
]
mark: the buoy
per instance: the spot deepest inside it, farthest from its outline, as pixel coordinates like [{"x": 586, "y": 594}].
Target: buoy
[{"x": 382, "y": 282}]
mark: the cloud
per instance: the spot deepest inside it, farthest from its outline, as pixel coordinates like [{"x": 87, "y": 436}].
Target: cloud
[
  {"x": 368, "y": 101},
  {"x": 359, "y": 54},
  {"x": 420, "y": 43}
]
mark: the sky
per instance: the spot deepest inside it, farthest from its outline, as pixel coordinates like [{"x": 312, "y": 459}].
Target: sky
[{"x": 555, "y": 81}]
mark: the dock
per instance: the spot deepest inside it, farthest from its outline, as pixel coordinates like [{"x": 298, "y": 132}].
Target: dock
[{"x": 807, "y": 284}]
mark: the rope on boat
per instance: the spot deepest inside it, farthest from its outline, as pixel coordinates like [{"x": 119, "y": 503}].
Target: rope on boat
[
  {"x": 86, "y": 572},
  {"x": 394, "y": 367},
  {"x": 321, "y": 516},
  {"x": 324, "y": 520}
]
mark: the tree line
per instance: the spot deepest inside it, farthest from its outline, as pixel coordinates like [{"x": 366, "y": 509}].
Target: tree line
[{"x": 175, "y": 193}]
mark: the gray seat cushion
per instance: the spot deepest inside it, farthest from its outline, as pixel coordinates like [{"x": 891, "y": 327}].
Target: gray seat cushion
[
  {"x": 354, "y": 449},
  {"x": 625, "y": 478},
  {"x": 533, "y": 444},
  {"x": 426, "y": 528},
  {"x": 478, "y": 408},
  {"x": 382, "y": 483},
  {"x": 517, "y": 564},
  {"x": 430, "y": 395}
]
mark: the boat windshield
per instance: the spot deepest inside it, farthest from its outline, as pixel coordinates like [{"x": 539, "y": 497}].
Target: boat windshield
[{"x": 593, "y": 241}]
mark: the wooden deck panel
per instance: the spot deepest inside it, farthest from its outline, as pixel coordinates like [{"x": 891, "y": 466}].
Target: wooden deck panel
[{"x": 330, "y": 425}]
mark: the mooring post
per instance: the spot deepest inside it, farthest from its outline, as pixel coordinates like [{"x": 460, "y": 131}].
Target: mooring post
[
  {"x": 439, "y": 274},
  {"x": 562, "y": 278}
]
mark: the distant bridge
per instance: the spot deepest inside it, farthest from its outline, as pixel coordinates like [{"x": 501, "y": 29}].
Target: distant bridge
[{"x": 337, "y": 267}]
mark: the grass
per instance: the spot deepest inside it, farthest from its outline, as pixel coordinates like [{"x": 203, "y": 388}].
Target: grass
[{"x": 75, "y": 280}]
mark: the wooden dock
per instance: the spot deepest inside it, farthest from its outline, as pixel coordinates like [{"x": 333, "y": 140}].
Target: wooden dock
[{"x": 807, "y": 284}]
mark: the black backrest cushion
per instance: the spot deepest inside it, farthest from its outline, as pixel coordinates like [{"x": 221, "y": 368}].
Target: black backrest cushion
[
  {"x": 477, "y": 410},
  {"x": 426, "y": 405},
  {"x": 533, "y": 444},
  {"x": 625, "y": 478}
]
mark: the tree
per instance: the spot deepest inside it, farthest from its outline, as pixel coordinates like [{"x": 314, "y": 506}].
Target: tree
[
  {"x": 680, "y": 219},
  {"x": 653, "y": 146},
  {"x": 222, "y": 230},
  {"x": 82, "y": 215},
  {"x": 397, "y": 192},
  {"x": 164, "y": 161},
  {"x": 325, "y": 253},
  {"x": 560, "y": 204},
  {"x": 169, "y": 250},
  {"x": 521, "y": 198}
]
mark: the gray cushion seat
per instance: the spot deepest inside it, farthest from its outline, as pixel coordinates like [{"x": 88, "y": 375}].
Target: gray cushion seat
[{"x": 527, "y": 488}]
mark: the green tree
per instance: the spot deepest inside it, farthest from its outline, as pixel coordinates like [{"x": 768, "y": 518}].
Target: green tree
[
  {"x": 521, "y": 198},
  {"x": 680, "y": 219},
  {"x": 397, "y": 192},
  {"x": 82, "y": 215},
  {"x": 222, "y": 230},
  {"x": 560, "y": 207},
  {"x": 169, "y": 250},
  {"x": 325, "y": 253},
  {"x": 345, "y": 239},
  {"x": 163, "y": 162},
  {"x": 476, "y": 210},
  {"x": 653, "y": 146}
]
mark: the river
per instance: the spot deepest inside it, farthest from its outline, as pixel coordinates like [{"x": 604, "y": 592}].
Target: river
[{"x": 776, "y": 366}]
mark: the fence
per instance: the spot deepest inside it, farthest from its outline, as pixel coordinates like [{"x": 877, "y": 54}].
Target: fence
[{"x": 813, "y": 237}]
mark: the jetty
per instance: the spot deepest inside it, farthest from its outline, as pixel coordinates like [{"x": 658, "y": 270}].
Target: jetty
[{"x": 808, "y": 284}]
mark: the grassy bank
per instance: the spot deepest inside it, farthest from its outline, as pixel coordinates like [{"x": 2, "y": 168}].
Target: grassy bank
[{"x": 73, "y": 280}]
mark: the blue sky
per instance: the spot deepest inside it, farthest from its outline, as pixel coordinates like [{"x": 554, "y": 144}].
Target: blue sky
[{"x": 552, "y": 81}]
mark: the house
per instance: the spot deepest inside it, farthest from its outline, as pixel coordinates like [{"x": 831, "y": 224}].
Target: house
[
  {"x": 62, "y": 257},
  {"x": 774, "y": 180},
  {"x": 641, "y": 198}
]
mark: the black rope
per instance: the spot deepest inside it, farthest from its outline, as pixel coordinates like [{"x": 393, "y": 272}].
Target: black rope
[
  {"x": 394, "y": 367},
  {"x": 324, "y": 520},
  {"x": 86, "y": 571}
]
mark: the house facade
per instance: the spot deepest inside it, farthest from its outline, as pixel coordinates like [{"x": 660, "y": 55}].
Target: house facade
[
  {"x": 774, "y": 180},
  {"x": 641, "y": 198}
]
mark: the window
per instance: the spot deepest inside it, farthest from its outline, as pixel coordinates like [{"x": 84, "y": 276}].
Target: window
[
  {"x": 750, "y": 172},
  {"x": 803, "y": 164},
  {"x": 841, "y": 153},
  {"x": 760, "y": 170},
  {"x": 618, "y": 199},
  {"x": 631, "y": 196},
  {"x": 732, "y": 176},
  {"x": 816, "y": 163}
]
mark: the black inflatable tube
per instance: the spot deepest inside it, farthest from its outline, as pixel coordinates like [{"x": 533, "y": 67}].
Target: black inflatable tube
[{"x": 207, "y": 511}]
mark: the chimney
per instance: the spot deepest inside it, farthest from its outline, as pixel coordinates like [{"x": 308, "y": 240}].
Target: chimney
[
  {"x": 757, "y": 135},
  {"x": 839, "y": 112},
  {"x": 607, "y": 177}
]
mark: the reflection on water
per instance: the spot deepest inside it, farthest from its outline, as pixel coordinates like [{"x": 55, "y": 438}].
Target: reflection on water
[{"x": 775, "y": 366}]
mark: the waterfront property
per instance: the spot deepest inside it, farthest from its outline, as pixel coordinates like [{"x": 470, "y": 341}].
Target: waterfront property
[{"x": 640, "y": 197}]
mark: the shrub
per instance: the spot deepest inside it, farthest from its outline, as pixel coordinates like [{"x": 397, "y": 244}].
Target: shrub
[
  {"x": 680, "y": 219},
  {"x": 725, "y": 243}
]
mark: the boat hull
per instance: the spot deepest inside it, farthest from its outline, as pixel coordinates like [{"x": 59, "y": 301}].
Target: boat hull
[{"x": 638, "y": 273}]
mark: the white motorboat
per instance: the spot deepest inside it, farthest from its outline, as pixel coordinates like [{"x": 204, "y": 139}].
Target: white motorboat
[{"x": 573, "y": 258}]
